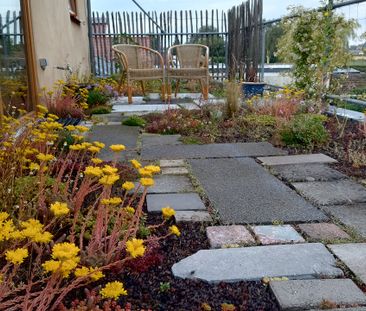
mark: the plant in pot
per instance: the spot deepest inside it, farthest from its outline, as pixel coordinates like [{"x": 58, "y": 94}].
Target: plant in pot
[{"x": 252, "y": 86}]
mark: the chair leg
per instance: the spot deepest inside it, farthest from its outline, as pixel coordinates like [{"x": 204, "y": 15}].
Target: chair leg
[
  {"x": 205, "y": 95},
  {"x": 169, "y": 90},
  {"x": 121, "y": 82},
  {"x": 129, "y": 93},
  {"x": 177, "y": 88},
  {"x": 143, "y": 88},
  {"x": 163, "y": 93}
]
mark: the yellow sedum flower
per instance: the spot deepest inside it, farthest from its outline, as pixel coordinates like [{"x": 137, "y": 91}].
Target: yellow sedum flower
[
  {"x": 17, "y": 256},
  {"x": 45, "y": 157},
  {"x": 130, "y": 210},
  {"x": 99, "y": 144},
  {"x": 96, "y": 161},
  {"x": 93, "y": 171},
  {"x": 135, "y": 247},
  {"x": 42, "y": 109},
  {"x": 59, "y": 209},
  {"x": 174, "y": 230},
  {"x": 113, "y": 290},
  {"x": 136, "y": 164},
  {"x": 145, "y": 173},
  {"x": 112, "y": 201},
  {"x": 167, "y": 212},
  {"x": 94, "y": 149},
  {"x": 65, "y": 251},
  {"x": 108, "y": 180},
  {"x": 109, "y": 170},
  {"x": 117, "y": 148},
  {"x": 34, "y": 166},
  {"x": 70, "y": 128},
  {"x": 147, "y": 182},
  {"x": 6, "y": 227},
  {"x": 93, "y": 273},
  {"x": 154, "y": 169},
  {"x": 33, "y": 230},
  {"x": 81, "y": 129},
  {"x": 128, "y": 185}
]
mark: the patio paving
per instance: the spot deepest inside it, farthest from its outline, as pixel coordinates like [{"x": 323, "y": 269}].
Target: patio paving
[
  {"x": 305, "y": 294},
  {"x": 192, "y": 216},
  {"x": 284, "y": 234},
  {"x": 244, "y": 192},
  {"x": 227, "y": 236},
  {"x": 298, "y": 261},
  {"x": 149, "y": 140},
  {"x": 172, "y": 152},
  {"x": 172, "y": 163},
  {"x": 177, "y": 201},
  {"x": 297, "y": 159},
  {"x": 171, "y": 184},
  {"x": 174, "y": 170},
  {"x": 324, "y": 232}
]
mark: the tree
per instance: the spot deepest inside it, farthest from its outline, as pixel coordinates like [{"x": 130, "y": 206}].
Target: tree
[{"x": 273, "y": 34}]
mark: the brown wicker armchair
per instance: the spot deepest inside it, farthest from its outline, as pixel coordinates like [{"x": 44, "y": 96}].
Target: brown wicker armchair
[
  {"x": 188, "y": 61},
  {"x": 140, "y": 63}
]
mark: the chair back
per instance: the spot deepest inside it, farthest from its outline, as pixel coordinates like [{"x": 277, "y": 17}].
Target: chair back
[{"x": 189, "y": 55}]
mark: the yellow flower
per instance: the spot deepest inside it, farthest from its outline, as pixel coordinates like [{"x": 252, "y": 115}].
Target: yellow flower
[
  {"x": 6, "y": 227},
  {"x": 81, "y": 128},
  {"x": 17, "y": 256},
  {"x": 96, "y": 161},
  {"x": 94, "y": 149},
  {"x": 112, "y": 201},
  {"x": 113, "y": 290},
  {"x": 70, "y": 128},
  {"x": 77, "y": 137},
  {"x": 45, "y": 157},
  {"x": 59, "y": 209},
  {"x": 33, "y": 230},
  {"x": 117, "y": 148},
  {"x": 128, "y": 185},
  {"x": 174, "y": 230},
  {"x": 80, "y": 272},
  {"x": 99, "y": 144},
  {"x": 147, "y": 182},
  {"x": 34, "y": 166},
  {"x": 53, "y": 116},
  {"x": 135, "y": 247},
  {"x": 93, "y": 273},
  {"x": 109, "y": 170},
  {"x": 64, "y": 267},
  {"x": 108, "y": 180},
  {"x": 168, "y": 212},
  {"x": 154, "y": 169},
  {"x": 42, "y": 108},
  {"x": 136, "y": 164},
  {"x": 130, "y": 210},
  {"x": 64, "y": 251},
  {"x": 145, "y": 173},
  {"x": 93, "y": 171}
]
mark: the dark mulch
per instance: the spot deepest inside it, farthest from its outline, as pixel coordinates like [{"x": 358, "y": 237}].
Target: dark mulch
[{"x": 146, "y": 289}]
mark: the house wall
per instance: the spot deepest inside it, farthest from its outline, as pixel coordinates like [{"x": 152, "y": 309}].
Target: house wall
[{"x": 59, "y": 40}]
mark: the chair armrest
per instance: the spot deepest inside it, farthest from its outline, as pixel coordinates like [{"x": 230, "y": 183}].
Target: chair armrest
[{"x": 121, "y": 57}]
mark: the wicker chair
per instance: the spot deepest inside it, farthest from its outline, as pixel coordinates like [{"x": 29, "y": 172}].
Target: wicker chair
[
  {"x": 140, "y": 63},
  {"x": 188, "y": 61}
]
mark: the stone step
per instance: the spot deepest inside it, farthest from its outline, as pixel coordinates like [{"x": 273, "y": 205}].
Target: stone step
[
  {"x": 172, "y": 163},
  {"x": 308, "y": 294},
  {"x": 174, "y": 171},
  {"x": 192, "y": 216},
  {"x": 171, "y": 184},
  {"x": 178, "y": 201},
  {"x": 323, "y": 232},
  {"x": 296, "y": 261},
  {"x": 149, "y": 140},
  {"x": 228, "y": 236},
  {"x": 296, "y": 159},
  {"x": 284, "y": 234},
  {"x": 353, "y": 256}
]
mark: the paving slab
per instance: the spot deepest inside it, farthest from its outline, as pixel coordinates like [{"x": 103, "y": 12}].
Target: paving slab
[
  {"x": 172, "y": 163},
  {"x": 296, "y": 261},
  {"x": 172, "y": 152},
  {"x": 337, "y": 192},
  {"x": 192, "y": 216},
  {"x": 307, "y": 172},
  {"x": 115, "y": 134},
  {"x": 306, "y": 294},
  {"x": 267, "y": 235},
  {"x": 177, "y": 201},
  {"x": 229, "y": 236},
  {"x": 149, "y": 140},
  {"x": 324, "y": 231},
  {"x": 171, "y": 184},
  {"x": 353, "y": 256},
  {"x": 174, "y": 171},
  {"x": 244, "y": 192},
  {"x": 297, "y": 159},
  {"x": 353, "y": 216}
]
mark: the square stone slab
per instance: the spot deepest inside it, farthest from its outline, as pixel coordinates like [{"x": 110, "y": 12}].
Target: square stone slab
[
  {"x": 297, "y": 159},
  {"x": 171, "y": 184},
  {"x": 245, "y": 192},
  {"x": 192, "y": 216},
  {"x": 174, "y": 171},
  {"x": 177, "y": 201},
  {"x": 277, "y": 234},
  {"x": 307, "y": 172},
  {"x": 337, "y": 192},
  {"x": 149, "y": 140},
  {"x": 354, "y": 257},
  {"x": 324, "y": 231},
  {"x": 353, "y": 216},
  {"x": 172, "y": 163},
  {"x": 297, "y": 261},
  {"x": 305, "y": 294},
  {"x": 227, "y": 236}
]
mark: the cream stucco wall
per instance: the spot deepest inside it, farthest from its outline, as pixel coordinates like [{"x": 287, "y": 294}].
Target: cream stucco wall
[{"x": 59, "y": 40}]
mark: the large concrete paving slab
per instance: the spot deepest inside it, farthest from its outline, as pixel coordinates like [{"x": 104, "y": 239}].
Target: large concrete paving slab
[
  {"x": 177, "y": 201},
  {"x": 337, "y": 192},
  {"x": 353, "y": 256},
  {"x": 284, "y": 234},
  {"x": 297, "y": 159},
  {"x": 297, "y": 261},
  {"x": 307, "y": 172},
  {"x": 323, "y": 232},
  {"x": 171, "y": 152},
  {"x": 171, "y": 184},
  {"x": 306, "y": 294},
  {"x": 149, "y": 140},
  {"x": 353, "y": 216},
  {"x": 244, "y": 192},
  {"x": 112, "y": 135}
]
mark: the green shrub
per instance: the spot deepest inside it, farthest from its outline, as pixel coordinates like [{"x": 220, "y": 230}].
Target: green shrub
[
  {"x": 256, "y": 126},
  {"x": 100, "y": 109},
  {"x": 305, "y": 130},
  {"x": 97, "y": 98},
  {"x": 134, "y": 121}
]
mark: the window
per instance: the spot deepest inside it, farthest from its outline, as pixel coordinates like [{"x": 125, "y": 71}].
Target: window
[{"x": 73, "y": 9}]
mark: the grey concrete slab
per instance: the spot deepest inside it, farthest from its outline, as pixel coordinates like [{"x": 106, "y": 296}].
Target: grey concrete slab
[
  {"x": 298, "y": 261},
  {"x": 297, "y": 159},
  {"x": 171, "y": 184},
  {"x": 177, "y": 201},
  {"x": 307, "y": 172},
  {"x": 192, "y": 216},
  {"x": 149, "y": 140},
  {"x": 337, "y": 192},
  {"x": 353, "y": 216},
  {"x": 244, "y": 192},
  {"x": 354, "y": 257},
  {"x": 306, "y": 294},
  {"x": 229, "y": 236},
  {"x": 277, "y": 234},
  {"x": 115, "y": 134},
  {"x": 324, "y": 231},
  {"x": 172, "y": 152},
  {"x": 172, "y": 163},
  {"x": 174, "y": 171}
]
